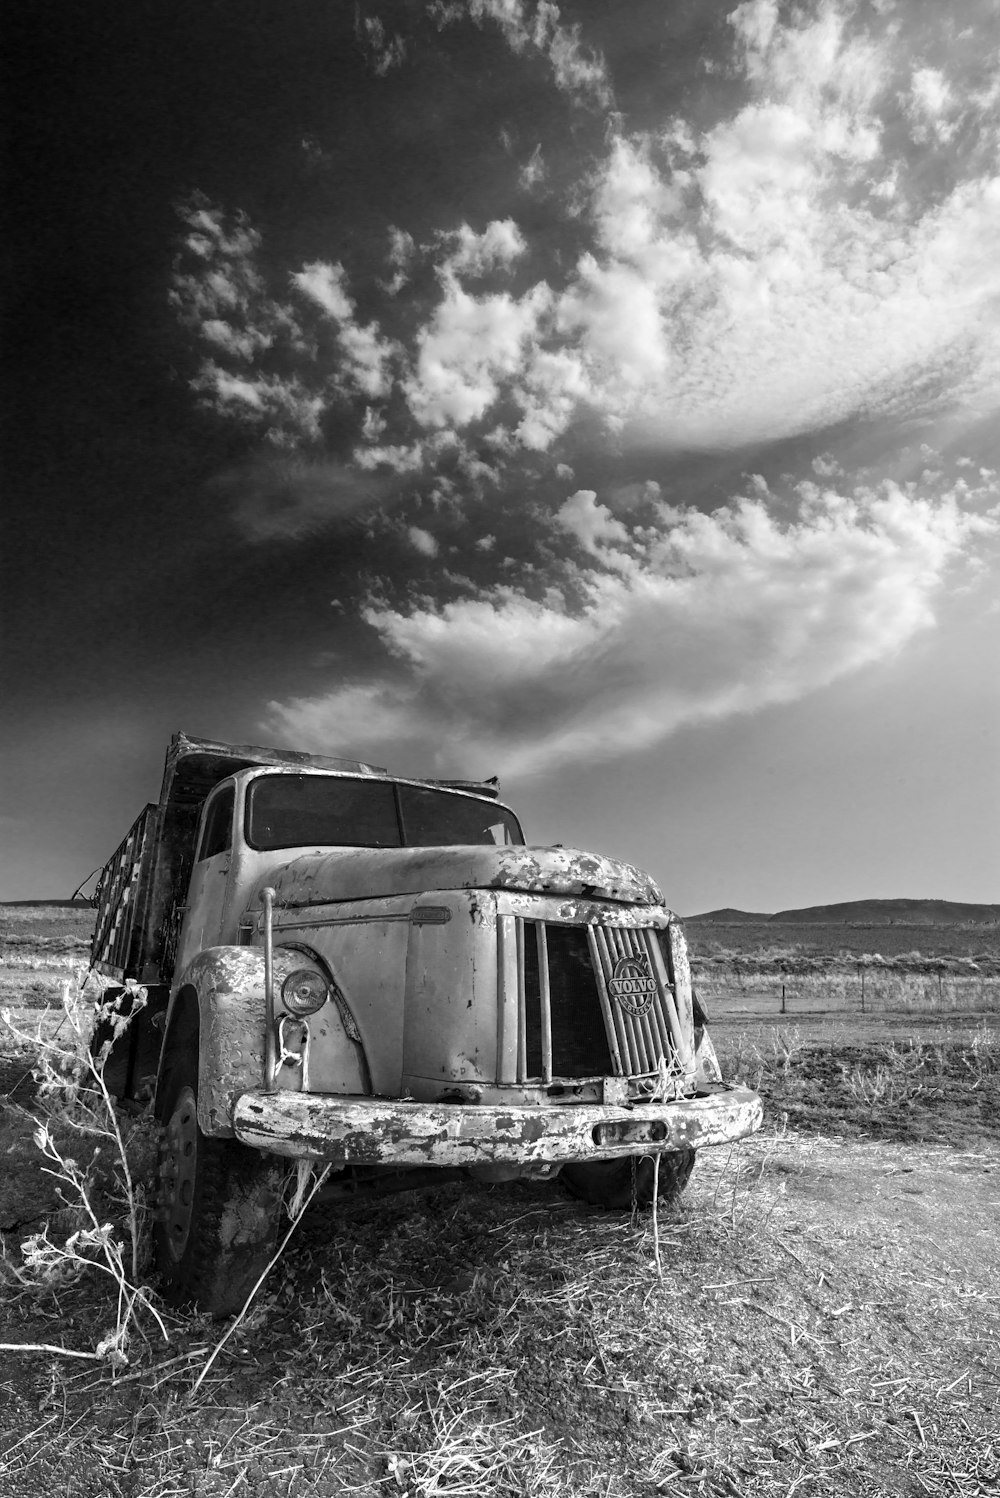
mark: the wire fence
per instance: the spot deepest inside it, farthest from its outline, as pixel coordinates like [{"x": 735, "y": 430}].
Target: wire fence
[{"x": 856, "y": 989}]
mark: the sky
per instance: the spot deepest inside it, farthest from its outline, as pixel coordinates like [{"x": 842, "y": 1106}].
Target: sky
[{"x": 604, "y": 397}]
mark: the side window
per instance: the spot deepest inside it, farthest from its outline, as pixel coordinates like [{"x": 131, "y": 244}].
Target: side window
[{"x": 217, "y": 833}]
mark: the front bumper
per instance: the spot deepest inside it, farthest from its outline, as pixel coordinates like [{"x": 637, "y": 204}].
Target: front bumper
[{"x": 378, "y": 1131}]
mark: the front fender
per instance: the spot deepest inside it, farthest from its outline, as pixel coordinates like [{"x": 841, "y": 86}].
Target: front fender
[
  {"x": 229, "y": 983},
  {"x": 232, "y": 1049}
]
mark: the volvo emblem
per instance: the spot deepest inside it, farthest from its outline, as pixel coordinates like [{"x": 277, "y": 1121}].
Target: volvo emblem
[{"x": 632, "y": 985}]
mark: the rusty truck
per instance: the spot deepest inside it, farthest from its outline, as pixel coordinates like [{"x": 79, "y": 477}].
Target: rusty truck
[{"x": 377, "y": 973}]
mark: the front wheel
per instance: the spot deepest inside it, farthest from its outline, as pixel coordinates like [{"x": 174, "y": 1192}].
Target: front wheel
[
  {"x": 219, "y": 1207},
  {"x": 617, "y": 1183}
]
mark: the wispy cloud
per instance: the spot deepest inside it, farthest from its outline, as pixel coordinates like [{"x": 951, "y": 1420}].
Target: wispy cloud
[
  {"x": 382, "y": 52},
  {"x": 287, "y": 497},
  {"x": 819, "y": 249},
  {"x": 654, "y": 626},
  {"x": 537, "y": 28},
  {"x": 789, "y": 266}
]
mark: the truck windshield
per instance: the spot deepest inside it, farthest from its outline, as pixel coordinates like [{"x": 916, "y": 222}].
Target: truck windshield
[{"x": 293, "y": 811}]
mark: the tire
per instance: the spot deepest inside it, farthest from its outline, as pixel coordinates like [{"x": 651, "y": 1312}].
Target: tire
[
  {"x": 608, "y": 1183},
  {"x": 219, "y": 1208}
]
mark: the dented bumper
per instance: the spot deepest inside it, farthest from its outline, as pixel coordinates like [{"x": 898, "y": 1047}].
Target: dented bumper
[{"x": 376, "y": 1131}]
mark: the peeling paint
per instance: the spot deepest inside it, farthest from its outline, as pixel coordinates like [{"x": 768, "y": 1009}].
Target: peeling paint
[
  {"x": 379, "y": 1131},
  {"x": 332, "y": 878},
  {"x": 229, "y": 982}
]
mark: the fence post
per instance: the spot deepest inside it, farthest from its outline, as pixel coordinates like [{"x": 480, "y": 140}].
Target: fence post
[
  {"x": 861, "y": 975},
  {"x": 782, "y": 998}
]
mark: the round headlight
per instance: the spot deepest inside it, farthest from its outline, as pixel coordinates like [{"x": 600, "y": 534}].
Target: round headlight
[{"x": 304, "y": 991}]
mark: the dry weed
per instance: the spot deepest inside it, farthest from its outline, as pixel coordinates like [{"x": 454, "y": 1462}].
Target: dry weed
[{"x": 100, "y": 1161}]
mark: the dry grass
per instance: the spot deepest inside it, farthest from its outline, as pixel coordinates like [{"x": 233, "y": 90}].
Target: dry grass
[
  {"x": 476, "y": 1341},
  {"x": 933, "y": 1085},
  {"x": 729, "y": 990},
  {"x": 41, "y": 947},
  {"x": 829, "y": 940},
  {"x": 509, "y": 1341}
]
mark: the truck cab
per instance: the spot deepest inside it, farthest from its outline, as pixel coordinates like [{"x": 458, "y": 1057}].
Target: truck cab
[
  {"x": 377, "y": 975},
  {"x": 259, "y": 820}
]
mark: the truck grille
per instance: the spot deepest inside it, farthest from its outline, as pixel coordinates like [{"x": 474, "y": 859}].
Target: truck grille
[{"x": 592, "y": 1001}]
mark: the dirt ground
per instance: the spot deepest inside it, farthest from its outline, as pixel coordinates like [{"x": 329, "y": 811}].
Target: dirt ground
[{"x": 828, "y": 1321}]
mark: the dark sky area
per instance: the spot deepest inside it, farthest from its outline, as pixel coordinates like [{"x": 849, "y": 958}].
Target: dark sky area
[{"x": 483, "y": 389}]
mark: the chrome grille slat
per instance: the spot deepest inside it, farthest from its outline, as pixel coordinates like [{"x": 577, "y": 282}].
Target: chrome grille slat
[
  {"x": 594, "y": 937},
  {"x": 522, "y": 1029},
  {"x": 545, "y": 1000},
  {"x": 659, "y": 1023},
  {"x": 618, "y": 1019},
  {"x": 568, "y": 1016},
  {"x": 645, "y": 1053},
  {"x": 507, "y": 1001},
  {"x": 660, "y": 1012},
  {"x": 672, "y": 1017},
  {"x": 647, "y": 1023}
]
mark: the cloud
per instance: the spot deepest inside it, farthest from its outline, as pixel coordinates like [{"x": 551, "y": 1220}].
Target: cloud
[
  {"x": 537, "y": 28},
  {"x": 422, "y": 541},
  {"x": 931, "y": 94},
  {"x": 223, "y": 279},
  {"x": 594, "y": 528},
  {"x": 366, "y": 357},
  {"x": 500, "y": 244},
  {"x": 402, "y": 251},
  {"x": 701, "y": 617},
  {"x": 471, "y": 345},
  {"x": 381, "y": 52},
  {"x": 746, "y": 282},
  {"x": 813, "y": 246},
  {"x": 532, "y": 173},
  {"x": 264, "y": 366},
  {"x": 288, "y": 498},
  {"x": 286, "y": 407},
  {"x": 631, "y": 496},
  {"x": 218, "y": 293},
  {"x": 774, "y": 272}
]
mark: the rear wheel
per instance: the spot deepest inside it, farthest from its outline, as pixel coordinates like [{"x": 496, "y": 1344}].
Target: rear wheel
[
  {"x": 219, "y": 1207},
  {"x": 610, "y": 1183}
]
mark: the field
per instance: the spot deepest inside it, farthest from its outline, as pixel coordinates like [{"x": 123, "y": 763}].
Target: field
[
  {"x": 829, "y": 940},
  {"x": 824, "y": 1317},
  {"x": 41, "y": 946},
  {"x": 874, "y": 982}
]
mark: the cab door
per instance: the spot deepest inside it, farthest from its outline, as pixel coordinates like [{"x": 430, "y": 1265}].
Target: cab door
[{"x": 209, "y": 886}]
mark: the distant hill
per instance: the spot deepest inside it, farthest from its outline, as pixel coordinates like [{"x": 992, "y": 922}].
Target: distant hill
[
  {"x": 47, "y": 904},
  {"x": 896, "y": 913},
  {"x": 729, "y": 917},
  {"x": 868, "y": 913}
]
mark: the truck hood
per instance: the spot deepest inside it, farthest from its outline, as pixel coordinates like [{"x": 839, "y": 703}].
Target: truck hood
[{"x": 372, "y": 873}]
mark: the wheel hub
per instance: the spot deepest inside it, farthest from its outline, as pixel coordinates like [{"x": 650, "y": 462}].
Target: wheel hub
[{"x": 178, "y": 1169}]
